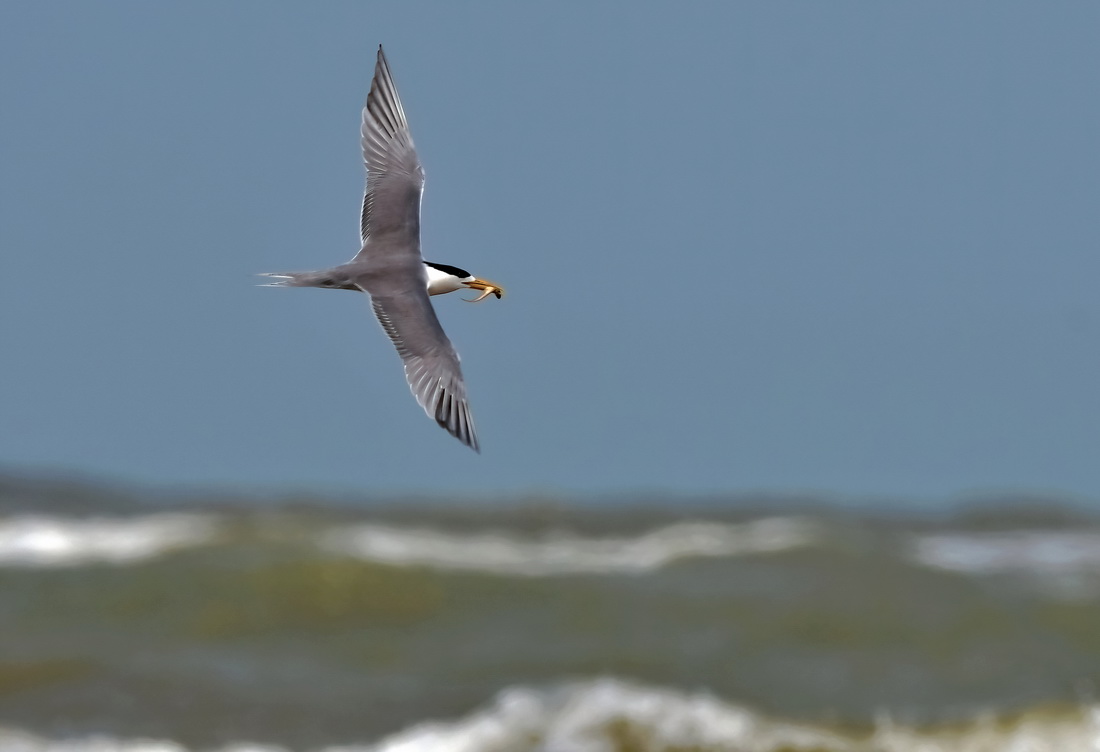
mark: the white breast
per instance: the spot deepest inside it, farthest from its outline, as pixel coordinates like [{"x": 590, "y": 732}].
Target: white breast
[{"x": 441, "y": 282}]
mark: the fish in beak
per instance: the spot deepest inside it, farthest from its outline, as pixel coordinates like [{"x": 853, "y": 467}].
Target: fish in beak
[{"x": 487, "y": 288}]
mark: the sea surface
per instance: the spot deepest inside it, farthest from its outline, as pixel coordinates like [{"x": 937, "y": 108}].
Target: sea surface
[{"x": 134, "y": 621}]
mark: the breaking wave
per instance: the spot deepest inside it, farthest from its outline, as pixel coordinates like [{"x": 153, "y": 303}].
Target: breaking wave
[
  {"x": 29, "y": 540},
  {"x": 611, "y": 715},
  {"x": 566, "y": 553},
  {"x": 1037, "y": 551},
  {"x": 45, "y": 541}
]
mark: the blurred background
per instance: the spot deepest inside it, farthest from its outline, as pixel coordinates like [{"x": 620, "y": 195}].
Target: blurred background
[{"x": 789, "y": 416}]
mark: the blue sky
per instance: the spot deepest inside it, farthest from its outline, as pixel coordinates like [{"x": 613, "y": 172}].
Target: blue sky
[{"x": 849, "y": 248}]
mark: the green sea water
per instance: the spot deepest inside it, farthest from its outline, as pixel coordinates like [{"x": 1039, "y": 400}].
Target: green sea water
[{"x": 758, "y": 626}]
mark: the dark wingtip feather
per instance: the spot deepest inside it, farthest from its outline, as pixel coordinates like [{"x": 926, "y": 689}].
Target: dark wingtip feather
[{"x": 452, "y": 414}]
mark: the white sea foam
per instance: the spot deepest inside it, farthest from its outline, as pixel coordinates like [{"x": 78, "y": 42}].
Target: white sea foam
[
  {"x": 1061, "y": 564},
  {"x": 42, "y": 541},
  {"x": 18, "y": 740},
  {"x": 1035, "y": 551},
  {"x": 611, "y": 715},
  {"x": 606, "y": 715},
  {"x": 565, "y": 553}
]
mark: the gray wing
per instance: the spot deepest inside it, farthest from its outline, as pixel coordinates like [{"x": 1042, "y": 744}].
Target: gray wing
[
  {"x": 431, "y": 363},
  {"x": 391, "y": 230},
  {"x": 395, "y": 179}
]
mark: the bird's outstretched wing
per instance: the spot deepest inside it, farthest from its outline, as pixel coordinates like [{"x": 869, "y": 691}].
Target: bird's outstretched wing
[
  {"x": 395, "y": 179},
  {"x": 431, "y": 363},
  {"x": 393, "y": 270}
]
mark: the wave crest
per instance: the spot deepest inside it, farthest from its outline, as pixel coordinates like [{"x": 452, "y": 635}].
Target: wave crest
[
  {"x": 565, "y": 553},
  {"x": 43, "y": 541}
]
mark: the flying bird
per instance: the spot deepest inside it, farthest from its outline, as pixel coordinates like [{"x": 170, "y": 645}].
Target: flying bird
[{"x": 390, "y": 269}]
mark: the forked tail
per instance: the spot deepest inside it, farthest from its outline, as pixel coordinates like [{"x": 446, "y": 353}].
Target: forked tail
[{"x": 324, "y": 279}]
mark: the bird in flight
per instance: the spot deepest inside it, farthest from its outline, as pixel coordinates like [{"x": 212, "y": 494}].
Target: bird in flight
[{"x": 390, "y": 269}]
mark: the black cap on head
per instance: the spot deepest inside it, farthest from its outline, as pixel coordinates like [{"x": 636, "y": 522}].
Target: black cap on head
[{"x": 446, "y": 269}]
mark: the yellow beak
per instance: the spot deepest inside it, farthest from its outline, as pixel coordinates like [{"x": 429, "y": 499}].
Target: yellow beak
[{"x": 487, "y": 288}]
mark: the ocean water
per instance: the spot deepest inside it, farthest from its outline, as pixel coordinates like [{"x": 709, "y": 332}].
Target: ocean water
[{"x": 134, "y": 624}]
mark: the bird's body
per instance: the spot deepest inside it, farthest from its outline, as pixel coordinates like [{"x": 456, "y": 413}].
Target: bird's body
[
  {"x": 389, "y": 266},
  {"x": 440, "y": 279}
]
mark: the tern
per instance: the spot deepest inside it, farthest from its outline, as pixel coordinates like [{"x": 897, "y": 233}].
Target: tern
[{"x": 390, "y": 268}]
